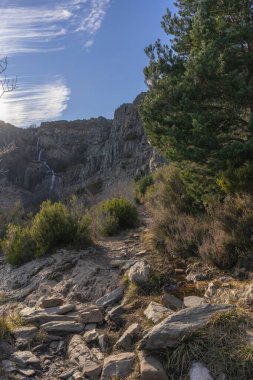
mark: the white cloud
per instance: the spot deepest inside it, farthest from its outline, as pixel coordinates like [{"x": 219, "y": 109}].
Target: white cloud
[
  {"x": 32, "y": 103},
  {"x": 31, "y": 28}
]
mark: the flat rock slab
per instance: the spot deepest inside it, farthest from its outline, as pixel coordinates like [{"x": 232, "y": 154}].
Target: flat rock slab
[
  {"x": 62, "y": 327},
  {"x": 25, "y": 334},
  {"x": 127, "y": 340},
  {"x": 25, "y": 358},
  {"x": 151, "y": 368},
  {"x": 179, "y": 325},
  {"x": 90, "y": 314},
  {"x": 80, "y": 354},
  {"x": 31, "y": 314},
  {"x": 118, "y": 366},
  {"x": 156, "y": 312},
  {"x": 111, "y": 298},
  {"x": 51, "y": 302},
  {"x": 193, "y": 301}
]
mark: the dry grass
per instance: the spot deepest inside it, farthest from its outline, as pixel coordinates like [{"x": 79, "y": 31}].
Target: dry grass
[
  {"x": 221, "y": 346},
  {"x": 9, "y": 322}
]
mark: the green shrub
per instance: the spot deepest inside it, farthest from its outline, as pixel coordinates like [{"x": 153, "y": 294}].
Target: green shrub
[
  {"x": 18, "y": 246},
  {"x": 52, "y": 226},
  {"x": 114, "y": 215},
  {"x": 83, "y": 233},
  {"x": 142, "y": 185}
]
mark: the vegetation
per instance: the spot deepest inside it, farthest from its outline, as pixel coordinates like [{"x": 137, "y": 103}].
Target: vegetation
[
  {"x": 220, "y": 346},
  {"x": 114, "y": 215},
  {"x": 52, "y": 227},
  {"x": 200, "y": 105},
  {"x": 142, "y": 186}
]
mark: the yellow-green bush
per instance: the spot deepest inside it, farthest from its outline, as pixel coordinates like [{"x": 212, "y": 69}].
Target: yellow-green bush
[
  {"x": 18, "y": 246},
  {"x": 114, "y": 215},
  {"x": 52, "y": 227}
]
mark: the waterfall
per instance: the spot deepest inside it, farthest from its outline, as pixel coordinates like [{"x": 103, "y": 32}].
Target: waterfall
[{"x": 50, "y": 170}]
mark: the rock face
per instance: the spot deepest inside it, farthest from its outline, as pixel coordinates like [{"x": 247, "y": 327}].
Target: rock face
[
  {"x": 171, "y": 330},
  {"x": 82, "y": 156}
]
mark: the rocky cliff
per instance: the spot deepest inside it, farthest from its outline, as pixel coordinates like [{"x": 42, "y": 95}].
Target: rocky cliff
[{"x": 83, "y": 156}]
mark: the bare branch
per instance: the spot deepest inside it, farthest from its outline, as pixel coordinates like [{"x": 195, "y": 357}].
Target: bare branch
[{"x": 7, "y": 84}]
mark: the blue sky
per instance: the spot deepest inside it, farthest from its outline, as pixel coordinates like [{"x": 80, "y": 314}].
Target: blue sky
[{"x": 75, "y": 59}]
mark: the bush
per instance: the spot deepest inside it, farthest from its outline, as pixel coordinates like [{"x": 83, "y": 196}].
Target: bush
[
  {"x": 142, "y": 185},
  {"x": 52, "y": 226},
  {"x": 230, "y": 235},
  {"x": 114, "y": 215},
  {"x": 18, "y": 246}
]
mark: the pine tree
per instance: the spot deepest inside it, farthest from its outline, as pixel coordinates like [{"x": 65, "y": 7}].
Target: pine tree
[{"x": 200, "y": 105}]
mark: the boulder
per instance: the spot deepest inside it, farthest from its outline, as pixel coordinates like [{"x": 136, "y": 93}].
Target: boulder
[
  {"x": 140, "y": 272},
  {"x": 62, "y": 327},
  {"x": 179, "y": 325},
  {"x": 111, "y": 298},
  {"x": 51, "y": 302},
  {"x": 80, "y": 355},
  {"x": 127, "y": 340},
  {"x": 172, "y": 302},
  {"x": 118, "y": 366},
  {"x": 193, "y": 301},
  {"x": 151, "y": 368},
  {"x": 199, "y": 372},
  {"x": 156, "y": 312},
  {"x": 25, "y": 358}
]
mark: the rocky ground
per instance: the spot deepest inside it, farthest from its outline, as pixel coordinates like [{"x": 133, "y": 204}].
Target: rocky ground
[{"x": 80, "y": 317}]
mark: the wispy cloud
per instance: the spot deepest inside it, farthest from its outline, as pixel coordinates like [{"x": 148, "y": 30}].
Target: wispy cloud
[
  {"x": 30, "y": 28},
  {"x": 32, "y": 102}
]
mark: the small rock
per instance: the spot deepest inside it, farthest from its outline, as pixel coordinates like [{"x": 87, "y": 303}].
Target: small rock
[
  {"x": 8, "y": 366},
  {"x": 193, "y": 301},
  {"x": 179, "y": 271},
  {"x": 141, "y": 253},
  {"x": 156, "y": 312},
  {"x": 104, "y": 343},
  {"x": 199, "y": 372},
  {"x": 62, "y": 327},
  {"x": 46, "y": 315},
  {"x": 127, "y": 340},
  {"x": 118, "y": 366},
  {"x": 77, "y": 376},
  {"x": 151, "y": 368},
  {"x": 140, "y": 272},
  {"x": 51, "y": 302},
  {"x": 26, "y": 372},
  {"x": 111, "y": 298},
  {"x": 67, "y": 374},
  {"x": 115, "y": 313},
  {"x": 249, "y": 295},
  {"x": 90, "y": 326},
  {"x": 90, "y": 336},
  {"x": 115, "y": 264},
  {"x": 211, "y": 290},
  {"x": 172, "y": 302},
  {"x": 25, "y": 358}
]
